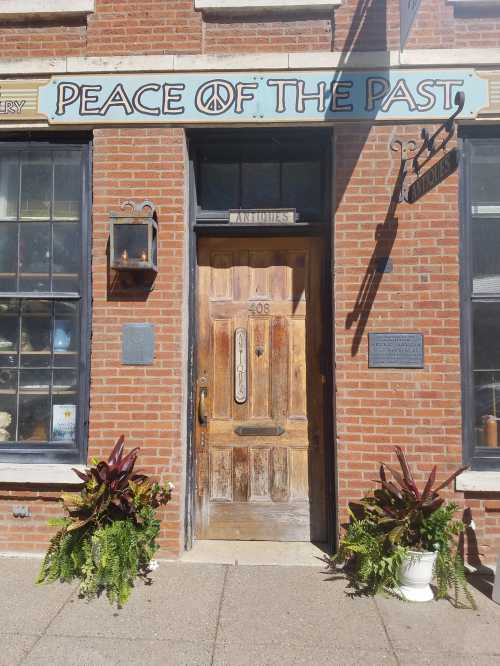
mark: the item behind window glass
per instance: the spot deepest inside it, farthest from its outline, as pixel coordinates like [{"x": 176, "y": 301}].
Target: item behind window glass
[
  {"x": 62, "y": 334},
  {"x": 63, "y": 423},
  {"x": 5, "y": 422},
  {"x": 34, "y": 413}
]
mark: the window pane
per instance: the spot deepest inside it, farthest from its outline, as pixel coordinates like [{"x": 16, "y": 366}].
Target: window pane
[
  {"x": 44, "y": 377},
  {"x": 486, "y": 256},
  {"x": 485, "y": 173},
  {"x": 9, "y": 326},
  {"x": 9, "y": 185},
  {"x": 220, "y": 186},
  {"x": 36, "y": 185},
  {"x": 8, "y": 247},
  {"x": 34, "y": 380},
  {"x": 8, "y": 380},
  {"x": 34, "y": 248},
  {"x": 302, "y": 188},
  {"x": 36, "y": 330},
  {"x": 34, "y": 418},
  {"x": 66, "y": 251},
  {"x": 260, "y": 185},
  {"x": 67, "y": 184},
  {"x": 486, "y": 371}
]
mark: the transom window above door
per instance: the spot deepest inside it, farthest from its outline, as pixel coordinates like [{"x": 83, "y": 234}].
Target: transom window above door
[{"x": 269, "y": 170}]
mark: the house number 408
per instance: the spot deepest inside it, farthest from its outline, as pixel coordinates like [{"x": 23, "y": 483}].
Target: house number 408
[{"x": 259, "y": 308}]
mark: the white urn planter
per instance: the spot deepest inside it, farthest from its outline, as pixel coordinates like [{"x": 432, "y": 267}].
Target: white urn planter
[{"x": 415, "y": 576}]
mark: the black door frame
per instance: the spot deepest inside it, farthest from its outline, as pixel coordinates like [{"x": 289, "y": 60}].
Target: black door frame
[{"x": 324, "y": 230}]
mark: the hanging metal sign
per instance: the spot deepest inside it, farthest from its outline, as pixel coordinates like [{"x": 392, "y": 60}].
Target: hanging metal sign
[
  {"x": 240, "y": 366},
  {"x": 433, "y": 176},
  {"x": 263, "y": 216}
]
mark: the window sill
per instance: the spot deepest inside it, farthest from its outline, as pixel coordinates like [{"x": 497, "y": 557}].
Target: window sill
[
  {"x": 46, "y": 8},
  {"x": 264, "y": 5},
  {"x": 61, "y": 475},
  {"x": 474, "y": 3},
  {"x": 480, "y": 482}
]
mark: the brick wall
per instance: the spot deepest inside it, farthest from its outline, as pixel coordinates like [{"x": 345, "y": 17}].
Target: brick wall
[
  {"x": 144, "y": 403},
  {"x": 419, "y": 410},
  {"x": 121, "y": 27},
  {"x": 279, "y": 34}
]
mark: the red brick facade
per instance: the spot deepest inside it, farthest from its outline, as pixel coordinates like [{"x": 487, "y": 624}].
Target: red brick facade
[{"x": 375, "y": 409}]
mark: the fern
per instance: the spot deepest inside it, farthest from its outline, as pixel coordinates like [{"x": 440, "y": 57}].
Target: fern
[
  {"x": 109, "y": 537},
  {"x": 106, "y": 560},
  {"x": 369, "y": 559}
]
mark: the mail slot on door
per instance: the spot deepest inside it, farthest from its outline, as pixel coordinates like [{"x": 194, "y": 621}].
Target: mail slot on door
[{"x": 259, "y": 431}]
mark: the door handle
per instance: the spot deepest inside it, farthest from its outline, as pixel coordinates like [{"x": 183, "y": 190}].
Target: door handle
[{"x": 202, "y": 406}]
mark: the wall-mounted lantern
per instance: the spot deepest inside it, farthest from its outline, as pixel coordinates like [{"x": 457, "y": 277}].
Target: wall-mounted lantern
[{"x": 133, "y": 238}]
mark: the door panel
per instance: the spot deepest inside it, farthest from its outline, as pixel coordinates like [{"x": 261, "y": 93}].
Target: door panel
[{"x": 260, "y": 434}]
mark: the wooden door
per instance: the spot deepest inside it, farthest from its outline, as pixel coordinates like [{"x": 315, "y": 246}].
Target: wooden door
[{"x": 259, "y": 435}]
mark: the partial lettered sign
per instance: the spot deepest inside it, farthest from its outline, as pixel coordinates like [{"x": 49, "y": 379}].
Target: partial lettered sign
[
  {"x": 438, "y": 172},
  {"x": 262, "y": 216},
  {"x": 19, "y": 100}
]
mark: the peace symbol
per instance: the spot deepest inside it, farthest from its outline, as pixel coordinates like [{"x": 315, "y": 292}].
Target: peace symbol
[{"x": 215, "y": 97}]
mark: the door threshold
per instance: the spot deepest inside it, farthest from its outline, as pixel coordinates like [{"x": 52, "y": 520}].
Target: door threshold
[{"x": 256, "y": 553}]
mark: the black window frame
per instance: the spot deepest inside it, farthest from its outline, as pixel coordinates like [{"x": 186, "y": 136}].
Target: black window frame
[
  {"x": 231, "y": 141},
  {"x": 51, "y": 452},
  {"x": 478, "y": 457}
]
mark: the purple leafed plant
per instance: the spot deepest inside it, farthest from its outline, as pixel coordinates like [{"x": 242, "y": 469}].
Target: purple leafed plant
[
  {"x": 399, "y": 506},
  {"x": 108, "y": 537}
]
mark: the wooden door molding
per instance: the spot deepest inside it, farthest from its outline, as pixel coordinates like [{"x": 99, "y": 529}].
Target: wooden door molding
[{"x": 259, "y": 433}]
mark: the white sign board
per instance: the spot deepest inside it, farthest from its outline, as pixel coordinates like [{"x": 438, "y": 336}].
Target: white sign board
[{"x": 407, "y": 11}]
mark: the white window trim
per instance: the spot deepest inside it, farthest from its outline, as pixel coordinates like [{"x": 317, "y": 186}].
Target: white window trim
[
  {"x": 479, "y": 482},
  {"x": 22, "y": 8},
  {"x": 263, "y": 5},
  {"x": 474, "y": 3},
  {"x": 40, "y": 474}
]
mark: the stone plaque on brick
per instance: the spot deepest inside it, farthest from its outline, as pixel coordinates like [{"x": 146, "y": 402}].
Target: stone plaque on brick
[
  {"x": 138, "y": 344},
  {"x": 395, "y": 350}
]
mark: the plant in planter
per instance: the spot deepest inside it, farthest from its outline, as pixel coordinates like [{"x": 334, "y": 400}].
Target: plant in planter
[
  {"x": 400, "y": 536},
  {"x": 109, "y": 537}
]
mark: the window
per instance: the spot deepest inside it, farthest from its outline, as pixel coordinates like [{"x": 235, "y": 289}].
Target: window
[
  {"x": 271, "y": 170},
  {"x": 43, "y": 302}
]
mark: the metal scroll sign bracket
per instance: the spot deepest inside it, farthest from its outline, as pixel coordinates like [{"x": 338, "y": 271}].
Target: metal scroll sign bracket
[
  {"x": 405, "y": 148},
  {"x": 413, "y": 159}
]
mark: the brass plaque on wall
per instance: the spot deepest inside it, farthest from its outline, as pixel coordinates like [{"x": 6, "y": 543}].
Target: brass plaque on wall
[{"x": 395, "y": 350}]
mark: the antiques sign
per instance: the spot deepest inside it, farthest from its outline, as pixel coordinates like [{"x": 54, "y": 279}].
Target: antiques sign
[
  {"x": 433, "y": 176},
  {"x": 228, "y": 97},
  {"x": 395, "y": 350},
  {"x": 262, "y": 216}
]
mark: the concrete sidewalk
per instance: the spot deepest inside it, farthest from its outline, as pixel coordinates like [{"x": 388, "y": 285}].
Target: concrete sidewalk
[{"x": 201, "y": 614}]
